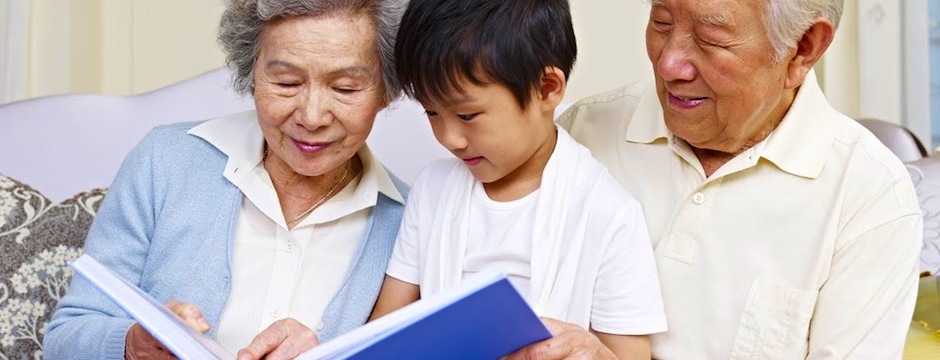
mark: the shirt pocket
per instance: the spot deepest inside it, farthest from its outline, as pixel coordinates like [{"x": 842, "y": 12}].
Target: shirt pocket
[{"x": 775, "y": 322}]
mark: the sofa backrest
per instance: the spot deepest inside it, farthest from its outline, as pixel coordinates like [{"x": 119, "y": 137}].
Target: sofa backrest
[
  {"x": 62, "y": 145},
  {"x": 65, "y": 144}
]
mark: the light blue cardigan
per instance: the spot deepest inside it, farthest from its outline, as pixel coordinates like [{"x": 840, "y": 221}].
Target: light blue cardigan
[{"x": 167, "y": 225}]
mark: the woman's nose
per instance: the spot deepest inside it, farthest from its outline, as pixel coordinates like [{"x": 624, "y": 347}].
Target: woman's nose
[{"x": 315, "y": 110}]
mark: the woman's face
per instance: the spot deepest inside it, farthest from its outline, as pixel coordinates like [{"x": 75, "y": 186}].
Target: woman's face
[{"x": 318, "y": 86}]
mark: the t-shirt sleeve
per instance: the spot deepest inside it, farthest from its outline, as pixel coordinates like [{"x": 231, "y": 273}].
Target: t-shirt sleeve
[
  {"x": 405, "y": 264},
  {"x": 627, "y": 298}
]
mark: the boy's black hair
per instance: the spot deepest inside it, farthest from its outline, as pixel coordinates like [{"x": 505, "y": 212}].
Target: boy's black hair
[{"x": 509, "y": 42}]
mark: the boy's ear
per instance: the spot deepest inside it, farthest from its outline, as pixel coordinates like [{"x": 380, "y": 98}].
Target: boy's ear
[{"x": 551, "y": 88}]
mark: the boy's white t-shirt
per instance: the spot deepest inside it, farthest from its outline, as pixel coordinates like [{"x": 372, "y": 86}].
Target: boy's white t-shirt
[
  {"x": 500, "y": 233},
  {"x": 617, "y": 286}
]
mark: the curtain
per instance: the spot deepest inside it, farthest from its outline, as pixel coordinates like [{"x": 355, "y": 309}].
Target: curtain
[{"x": 14, "y": 36}]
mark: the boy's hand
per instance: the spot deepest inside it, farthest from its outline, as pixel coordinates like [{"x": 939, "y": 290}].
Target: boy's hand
[
  {"x": 284, "y": 339},
  {"x": 569, "y": 341}
]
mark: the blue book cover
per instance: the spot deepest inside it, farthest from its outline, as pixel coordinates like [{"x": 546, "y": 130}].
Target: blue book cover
[{"x": 483, "y": 318}]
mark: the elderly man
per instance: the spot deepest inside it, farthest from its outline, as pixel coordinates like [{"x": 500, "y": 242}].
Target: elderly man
[{"x": 782, "y": 228}]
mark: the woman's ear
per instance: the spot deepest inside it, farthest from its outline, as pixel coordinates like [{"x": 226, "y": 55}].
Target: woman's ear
[
  {"x": 551, "y": 88},
  {"x": 809, "y": 49}
]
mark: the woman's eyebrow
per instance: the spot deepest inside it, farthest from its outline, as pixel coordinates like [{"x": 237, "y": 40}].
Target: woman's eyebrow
[
  {"x": 356, "y": 71},
  {"x": 280, "y": 64}
]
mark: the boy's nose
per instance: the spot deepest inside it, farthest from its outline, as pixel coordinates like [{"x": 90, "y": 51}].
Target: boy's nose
[{"x": 450, "y": 136}]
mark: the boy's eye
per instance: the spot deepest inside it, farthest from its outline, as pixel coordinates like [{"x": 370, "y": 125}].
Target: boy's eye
[
  {"x": 467, "y": 117},
  {"x": 430, "y": 113}
]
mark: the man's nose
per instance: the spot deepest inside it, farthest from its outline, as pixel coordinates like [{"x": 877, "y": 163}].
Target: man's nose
[{"x": 676, "y": 60}]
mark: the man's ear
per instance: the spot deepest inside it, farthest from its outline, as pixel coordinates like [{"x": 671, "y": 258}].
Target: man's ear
[
  {"x": 551, "y": 88},
  {"x": 809, "y": 49}
]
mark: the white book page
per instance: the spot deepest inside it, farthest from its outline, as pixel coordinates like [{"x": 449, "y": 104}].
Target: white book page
[{"x": 163, "y": 324}]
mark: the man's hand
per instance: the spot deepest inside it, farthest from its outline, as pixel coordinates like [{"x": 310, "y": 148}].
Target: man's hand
[
  {"x": 284, "y": 339},
  {"x": 139, "y": 344},
  {"x": 568, "y": 342}
]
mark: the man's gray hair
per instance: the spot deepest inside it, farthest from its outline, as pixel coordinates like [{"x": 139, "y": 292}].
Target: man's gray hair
[
  {"x": 243, "y": 21},
  {"x": 788, "y": 20}
]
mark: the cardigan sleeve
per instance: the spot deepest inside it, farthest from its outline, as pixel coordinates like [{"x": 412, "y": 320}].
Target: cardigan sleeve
[{"x": 87, "y": 324}]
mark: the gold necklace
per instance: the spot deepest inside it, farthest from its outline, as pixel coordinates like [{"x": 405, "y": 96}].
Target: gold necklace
[{"x": 327, "y": 196}]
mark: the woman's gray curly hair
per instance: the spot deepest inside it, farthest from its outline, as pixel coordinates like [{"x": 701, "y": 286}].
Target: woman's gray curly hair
[{"x": 243, "y": 21}]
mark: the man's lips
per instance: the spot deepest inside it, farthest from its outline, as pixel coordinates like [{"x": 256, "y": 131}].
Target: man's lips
[
  {"x": 310, "y": 148},
  {"x": 685, "y": 101}
]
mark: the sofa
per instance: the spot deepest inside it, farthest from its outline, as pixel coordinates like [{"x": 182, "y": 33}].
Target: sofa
[{"x": 46, "y": 210}]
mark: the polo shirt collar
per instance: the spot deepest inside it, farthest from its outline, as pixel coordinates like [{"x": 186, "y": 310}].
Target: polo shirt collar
[{"x": 800, "y": 145}]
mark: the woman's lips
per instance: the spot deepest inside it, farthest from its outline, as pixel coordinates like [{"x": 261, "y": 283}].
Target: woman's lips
[
  {"x": 684, "y": 102},
  {"x": 472, "y": 161},
  {"x": 310, "y": 148}
]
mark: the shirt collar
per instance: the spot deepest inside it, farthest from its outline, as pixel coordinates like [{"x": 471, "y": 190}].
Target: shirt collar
[
  {"x": 647, "y": 124},
  {"x": 799, "y": 145},
  {"x": 239, "y": 137}
]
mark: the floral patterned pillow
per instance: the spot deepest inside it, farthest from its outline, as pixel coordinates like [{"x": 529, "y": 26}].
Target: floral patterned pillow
[{"x": 37, "y": 238}]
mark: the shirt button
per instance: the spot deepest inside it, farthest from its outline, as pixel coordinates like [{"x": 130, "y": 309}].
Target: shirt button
[
  {"x": 275, "y": 313},
  {"x": 319, "y": 325},
  {"x": 289, "y": 247},
  {"x": 698, "y": 198}
]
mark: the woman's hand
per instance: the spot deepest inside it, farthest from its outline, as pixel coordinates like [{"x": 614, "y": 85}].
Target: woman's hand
[
  {"x": 569, "y": 341},
  {"x": 284, "y": 339},
  {"x": 139, "y": 344}
]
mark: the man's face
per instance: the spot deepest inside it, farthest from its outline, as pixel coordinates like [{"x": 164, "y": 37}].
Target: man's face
[{"x": 716, "y": 77}]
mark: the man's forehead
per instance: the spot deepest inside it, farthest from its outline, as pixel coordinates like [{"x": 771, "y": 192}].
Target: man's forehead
[{"x": 723, "y": 13}]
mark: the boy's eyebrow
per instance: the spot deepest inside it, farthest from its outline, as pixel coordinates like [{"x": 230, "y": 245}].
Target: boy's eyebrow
[{"x": 460, "y": 99}]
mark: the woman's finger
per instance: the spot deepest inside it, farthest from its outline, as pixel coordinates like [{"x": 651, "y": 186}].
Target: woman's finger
[{"x": 190, "y": 314}]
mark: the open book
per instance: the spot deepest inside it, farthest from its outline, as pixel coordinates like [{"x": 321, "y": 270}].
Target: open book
[{"x": 482, "y": 318}]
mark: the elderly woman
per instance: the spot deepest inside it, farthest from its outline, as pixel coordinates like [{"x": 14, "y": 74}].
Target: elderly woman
[{"x": 250, "y": 219}]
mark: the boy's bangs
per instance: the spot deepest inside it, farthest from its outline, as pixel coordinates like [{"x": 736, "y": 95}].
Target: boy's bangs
[{"x": 435, "y": 75}]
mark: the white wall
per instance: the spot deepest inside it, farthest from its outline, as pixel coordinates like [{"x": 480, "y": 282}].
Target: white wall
[
  {"x": 134, "y": 46},
  {"x": 611, "y": 45}
]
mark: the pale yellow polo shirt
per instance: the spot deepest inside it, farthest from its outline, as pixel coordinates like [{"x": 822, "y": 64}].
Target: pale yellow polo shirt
[{"x": 805, "y": 245}]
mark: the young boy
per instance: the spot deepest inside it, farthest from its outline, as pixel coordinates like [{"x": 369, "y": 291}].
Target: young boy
[{"x": 524, "y": 198}]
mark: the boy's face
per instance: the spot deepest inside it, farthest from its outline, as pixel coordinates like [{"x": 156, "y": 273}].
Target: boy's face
[{"x": 488, "y": 129}]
